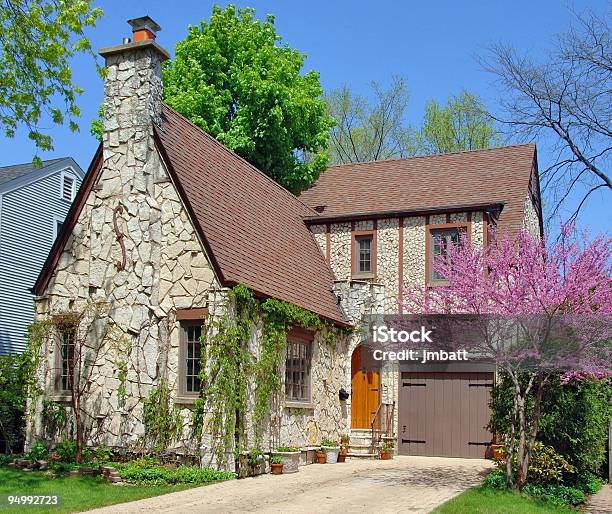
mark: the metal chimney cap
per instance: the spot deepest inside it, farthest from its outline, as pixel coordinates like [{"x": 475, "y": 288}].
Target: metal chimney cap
[{"x": 144, "y": 22}]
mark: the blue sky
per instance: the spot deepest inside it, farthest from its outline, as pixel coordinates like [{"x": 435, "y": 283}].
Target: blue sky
[{"x": 431, "y": 44}]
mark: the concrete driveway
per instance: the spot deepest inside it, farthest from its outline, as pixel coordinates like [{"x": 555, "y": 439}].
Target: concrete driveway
[{"x": 404, "y": 484}]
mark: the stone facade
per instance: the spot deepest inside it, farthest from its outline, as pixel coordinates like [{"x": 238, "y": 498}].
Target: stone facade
[{"x": 531, "y": 221}]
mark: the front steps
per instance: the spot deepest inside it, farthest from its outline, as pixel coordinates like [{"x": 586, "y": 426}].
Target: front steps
[{"x": 360, "y": 444}]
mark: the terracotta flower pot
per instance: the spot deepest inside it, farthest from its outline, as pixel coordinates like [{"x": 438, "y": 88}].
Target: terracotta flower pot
[
  {"x": 385, "y": 455},
  {"x": 341, "y": 457},
  {"x": 497, "y": 451},
  {"x": 277, "y": 469},
  {"x": 321, "y": 458}
]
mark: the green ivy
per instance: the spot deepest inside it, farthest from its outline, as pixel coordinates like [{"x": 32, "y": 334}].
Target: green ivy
[
  {"x": 229, "y": 368},
  {"x": 163, "y": 423}
]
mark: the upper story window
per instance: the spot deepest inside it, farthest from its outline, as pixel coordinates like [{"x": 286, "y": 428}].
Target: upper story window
[
  {"x": 440, "y": 240},
  {"x": 68, "y": 187},
  {"x": 297, "y": 367},
  {"x": 364, "y": 254}
]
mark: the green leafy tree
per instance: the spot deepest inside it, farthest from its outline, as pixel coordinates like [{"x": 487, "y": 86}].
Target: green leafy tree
[
  {"x": 37, "y": 40},
  {"x": 461, "y": 124},
  {"x": 235, "y": 79}
]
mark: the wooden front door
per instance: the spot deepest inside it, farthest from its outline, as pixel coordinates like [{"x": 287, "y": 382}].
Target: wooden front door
[{"x": 365, "y": 390}]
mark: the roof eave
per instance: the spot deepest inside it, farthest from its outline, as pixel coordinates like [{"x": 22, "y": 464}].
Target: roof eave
[{"x": 314, "y": 220}]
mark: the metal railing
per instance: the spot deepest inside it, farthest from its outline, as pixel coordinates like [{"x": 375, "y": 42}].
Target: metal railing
[{"x": 382, "y": 423}]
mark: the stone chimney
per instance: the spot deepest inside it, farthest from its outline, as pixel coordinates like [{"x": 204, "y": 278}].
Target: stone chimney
[{"x": 132, "y": 104}]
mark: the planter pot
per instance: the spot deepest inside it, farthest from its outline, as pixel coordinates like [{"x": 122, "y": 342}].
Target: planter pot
[
  {"x": 385, "y": 455},
  {"x": 291, "y": 461},
  {"x": 277, "y": 469},
  {"x": 497, "y": 452},
  {"x": 321, "y": 459},
  {"x": 331, "y": 453},
  {"x": 341, "y": 457}
]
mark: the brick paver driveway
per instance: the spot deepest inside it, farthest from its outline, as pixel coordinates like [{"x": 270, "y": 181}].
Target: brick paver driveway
[{"x": 404, "y": 484}]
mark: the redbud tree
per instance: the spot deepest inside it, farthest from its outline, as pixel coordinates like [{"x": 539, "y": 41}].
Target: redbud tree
[{"x": 531, "y": 308}]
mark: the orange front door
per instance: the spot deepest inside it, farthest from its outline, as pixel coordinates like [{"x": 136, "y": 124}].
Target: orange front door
[{"x": 365, "y": 394}]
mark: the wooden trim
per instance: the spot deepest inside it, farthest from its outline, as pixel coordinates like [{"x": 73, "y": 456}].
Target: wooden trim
[
  {"x": 427, "y": 250},
  {"x": 373, "y": 232},
  {"x": 485, "y": 229},
  {"x": 364, "y": 216},
  {"x": 328, "y": 243},
  {"x": 191, "y": 314},
  {"x": 400, "y": 265},
  {"x": 469, "y": 226}
]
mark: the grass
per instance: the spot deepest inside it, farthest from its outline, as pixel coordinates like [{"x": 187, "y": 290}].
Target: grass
[
  {"x": 76, "y": 493},
  {"x": 480, "y": 500}
]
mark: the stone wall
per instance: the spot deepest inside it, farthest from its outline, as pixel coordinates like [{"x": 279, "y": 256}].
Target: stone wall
[
  {"x": 340, "y": 251},
  {"x": 531, "y": 220}
]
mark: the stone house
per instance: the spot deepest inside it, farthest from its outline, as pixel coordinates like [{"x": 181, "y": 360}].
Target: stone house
[{"x": 168, "y": 219}]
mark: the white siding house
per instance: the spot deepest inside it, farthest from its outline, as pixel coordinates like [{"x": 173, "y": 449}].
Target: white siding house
[{"x": 33, "y": 204}]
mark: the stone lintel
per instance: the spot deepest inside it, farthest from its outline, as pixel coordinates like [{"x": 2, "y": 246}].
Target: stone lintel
[{"x": 137, "y": 45}]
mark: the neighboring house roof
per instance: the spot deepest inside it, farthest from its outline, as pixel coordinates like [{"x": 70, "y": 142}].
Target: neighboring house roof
[
  {"x": 252, "y": 228},
  {"x": 428, "y": 183},
  {"x": 8, "y": 173}
]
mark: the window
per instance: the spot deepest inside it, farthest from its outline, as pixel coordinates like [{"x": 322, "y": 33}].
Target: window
[
  {"x": 58, "y": 223},
  {"x": 66, "y": 367},
  {"x": 439, "y": 243},
  {"x": 191, "y": 358},
  {"x": 297, "y": 367},
  {"x": 364, "y": 254},
  {"x": 68, "y": 187}
]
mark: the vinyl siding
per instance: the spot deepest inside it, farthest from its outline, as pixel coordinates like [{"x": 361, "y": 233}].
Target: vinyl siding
[{"x": 27, "y": 220}]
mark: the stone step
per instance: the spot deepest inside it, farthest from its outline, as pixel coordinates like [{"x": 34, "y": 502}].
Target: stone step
[
  {"x": 360, "y": 448},
  {"x": 372, "y": 456}
]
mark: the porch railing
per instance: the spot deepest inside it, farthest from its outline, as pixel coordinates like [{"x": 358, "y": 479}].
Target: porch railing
[{"x": 382, "y": 423}]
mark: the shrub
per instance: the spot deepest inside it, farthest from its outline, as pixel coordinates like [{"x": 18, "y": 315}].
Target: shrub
[
  {"x": 547, "y": 466},
  {"x": 12, "y": 403},
  {"x": 574, "y": 417},
  {"x": 555, "y": 494},
  {"x": 66, "y": 451},
  {"x": 102, "y": 454},
  {"x": 328, "y": 442},
  {"x": 139, "y": 472},
  {"x": 38, "y": 452},
  {"x": 588, "y": 483},
  {"x": 6, "y": 459},
  {"x": 495, "y": 480},
  {"x": 576, "y": 420}
]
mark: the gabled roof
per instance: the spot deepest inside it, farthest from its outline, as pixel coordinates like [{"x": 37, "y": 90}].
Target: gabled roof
[
  {"x": 435, "y": 182},
  {"x": 253, "y": 228},
  {"x": 9, "y": 173}
]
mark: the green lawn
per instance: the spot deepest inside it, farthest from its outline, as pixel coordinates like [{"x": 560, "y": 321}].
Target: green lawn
[
  {"x": 479, "y": 500},
  {"x": 76, "y": 493}
]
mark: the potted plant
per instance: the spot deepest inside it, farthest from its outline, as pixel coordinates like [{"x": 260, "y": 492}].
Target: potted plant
[
  {"x": 343, "y": 453},
  {"x": 345, "y": 440},
  {"x": 386, "y": 449},
  {"x": 331, "y": 450},
  {"x": 320, "y": 456},
  {"x": 276, "y": 465},
  {"x": 290, "y": 456}
]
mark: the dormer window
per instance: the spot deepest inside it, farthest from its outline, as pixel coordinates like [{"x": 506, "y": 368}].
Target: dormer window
[{"x": 68, "y": 187}]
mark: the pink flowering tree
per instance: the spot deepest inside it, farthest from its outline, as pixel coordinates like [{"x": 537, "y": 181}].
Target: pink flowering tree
[{"x": 533, "y": 310}]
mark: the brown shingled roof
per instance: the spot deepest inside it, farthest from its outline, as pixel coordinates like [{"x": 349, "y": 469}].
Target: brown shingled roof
[
  {"x": 474, "y": 178},
  {"x": 253, "y": 228}
]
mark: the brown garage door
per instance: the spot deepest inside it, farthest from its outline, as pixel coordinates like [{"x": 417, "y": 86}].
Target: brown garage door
[{"x": 444, "y": 414}]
